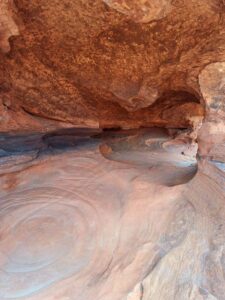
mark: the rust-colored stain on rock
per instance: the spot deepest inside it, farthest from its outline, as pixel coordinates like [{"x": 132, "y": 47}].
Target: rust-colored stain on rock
[{"x": 86, "y": 63}]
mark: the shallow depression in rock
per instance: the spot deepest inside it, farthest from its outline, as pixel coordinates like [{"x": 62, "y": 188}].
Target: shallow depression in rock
[{"x": 166, "y": 160}]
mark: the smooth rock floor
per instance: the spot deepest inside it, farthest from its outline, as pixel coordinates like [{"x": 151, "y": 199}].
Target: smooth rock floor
[{"x": 123, "y": 216}]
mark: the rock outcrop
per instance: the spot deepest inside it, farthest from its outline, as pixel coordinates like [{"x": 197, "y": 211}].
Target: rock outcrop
[{"x": 114, "y": 211}]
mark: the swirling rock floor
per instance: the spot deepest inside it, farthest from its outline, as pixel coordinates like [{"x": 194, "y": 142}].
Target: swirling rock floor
[{"x": 122, "y": 216}]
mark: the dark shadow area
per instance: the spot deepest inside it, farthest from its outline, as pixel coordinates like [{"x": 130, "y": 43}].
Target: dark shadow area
[{"x": 172, "y": 97}]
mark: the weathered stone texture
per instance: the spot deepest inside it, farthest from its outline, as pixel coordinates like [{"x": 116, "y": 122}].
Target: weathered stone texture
[{"x": 86, "y": 63}]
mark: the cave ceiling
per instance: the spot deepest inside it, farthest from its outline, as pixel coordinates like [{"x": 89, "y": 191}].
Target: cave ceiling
[{"x": 106, "y": 64}]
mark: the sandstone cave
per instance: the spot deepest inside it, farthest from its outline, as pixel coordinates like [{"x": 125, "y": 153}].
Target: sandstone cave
[{"x": 112, "y": 150}]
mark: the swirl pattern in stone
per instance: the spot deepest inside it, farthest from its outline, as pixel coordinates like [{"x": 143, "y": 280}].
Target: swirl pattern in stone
[{"x": 79, "y": 225}]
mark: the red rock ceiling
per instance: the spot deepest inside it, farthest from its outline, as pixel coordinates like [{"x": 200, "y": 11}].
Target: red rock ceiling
[{"x": 106, "y": 64}]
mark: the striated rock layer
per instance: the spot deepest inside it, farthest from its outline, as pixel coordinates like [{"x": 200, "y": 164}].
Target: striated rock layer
[
  {"x": 90, "y": 213},
  {"x": 75, "y": 225},
  {"x": 116, "y": 215}
]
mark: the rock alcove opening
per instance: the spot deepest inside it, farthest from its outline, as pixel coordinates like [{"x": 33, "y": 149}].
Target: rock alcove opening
[
  {"x": 165, "y": 146},
  {"x": 168, "y": 150}
]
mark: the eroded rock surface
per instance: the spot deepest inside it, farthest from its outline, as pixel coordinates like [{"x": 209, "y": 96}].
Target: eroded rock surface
[
  {"x": 88, "y": 64},
  {"x": 142, "y": 11},
  {"x": 64, "y": 206},
  {"x": 112, "y": 215},
  {"x": 8, "y": 27}
]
